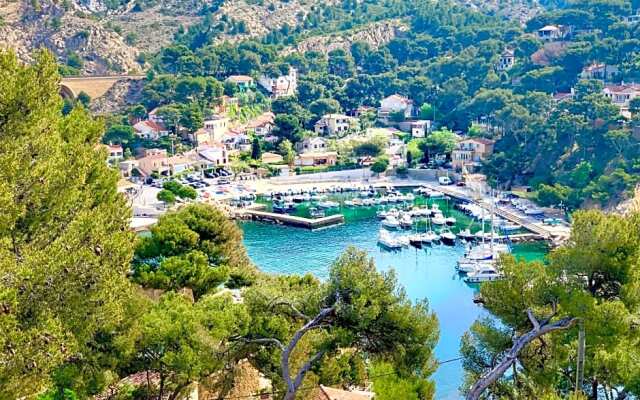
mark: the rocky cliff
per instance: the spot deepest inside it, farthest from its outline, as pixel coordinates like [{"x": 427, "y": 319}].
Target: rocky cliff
[{"x": 375, "y": 34}]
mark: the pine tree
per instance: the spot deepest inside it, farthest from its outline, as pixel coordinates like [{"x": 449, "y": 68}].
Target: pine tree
[{"x": 65, "y": 245}]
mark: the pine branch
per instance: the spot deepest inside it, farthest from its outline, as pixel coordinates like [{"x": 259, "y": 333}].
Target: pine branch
[{"x": 511, "y": 356}]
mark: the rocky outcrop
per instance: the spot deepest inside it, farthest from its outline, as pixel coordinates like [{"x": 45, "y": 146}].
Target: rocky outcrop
[
  {"x": 65, "y": 31},
  {"x": 124, "y": 93},
  {"x": 375, "y": 34}
]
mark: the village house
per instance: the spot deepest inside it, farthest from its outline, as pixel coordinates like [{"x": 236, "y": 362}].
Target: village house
[
  {"x": 214, "y": 155},
  {"x": 225, "y": 104},
  {"x": 335, "y": 124},
  {"x": 237, "y": 140},
  {"x": 394, "y": 104},
  {"x": 217, "y": 126},
  {"x": 418, "y": 128},
  {"x": 262, "y": 125},
  {"x": 562, "y": 96},
  {"x": 283, "y": 85},
  {"x": 244, "y": 82},
  {"x": 621, "y": 95},
  {"x": 154, "y": 116},
  {"x": 551, "y": 33},
  {"x": 153, "y": 161},
  {"x": 507, "y": 60},
  {"x": 311, "y": 144},
  {"x": 316, "y": 158},
  {"x": 126, "y": 168},
  {"x": 115, "y": 153},
  {"x": 632, "y": 19},
  {"x": 599, "y": 71},
  {"x": 469, "y": 153},
  {"x": 361, "y": 110},
  {"x": 150, "y": 130}
]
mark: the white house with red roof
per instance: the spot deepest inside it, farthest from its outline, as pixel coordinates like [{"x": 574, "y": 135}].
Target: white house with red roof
[
  {"x": 621, "y": 95},
  {"x": 395, "y": 104},
  {"x": 263, "y": 124},
  {"x": 149, "y": 129}
]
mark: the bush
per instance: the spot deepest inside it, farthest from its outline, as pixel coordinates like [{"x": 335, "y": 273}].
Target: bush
[{"x": 166, "y": 196}]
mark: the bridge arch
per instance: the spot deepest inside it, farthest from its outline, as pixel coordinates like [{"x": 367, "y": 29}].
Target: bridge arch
[{"x": 66, "y": 92}]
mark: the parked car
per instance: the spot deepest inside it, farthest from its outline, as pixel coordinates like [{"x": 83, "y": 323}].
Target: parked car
[
  {"x": 444, "y": 180},
  {"x": 224, "y": 181}
]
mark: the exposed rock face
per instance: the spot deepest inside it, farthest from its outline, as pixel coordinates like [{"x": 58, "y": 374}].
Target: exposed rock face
[
  {"x": 65, "y": 31},
  {"x": 122, "y": 94},
  {"x": 376, "y": 34}
]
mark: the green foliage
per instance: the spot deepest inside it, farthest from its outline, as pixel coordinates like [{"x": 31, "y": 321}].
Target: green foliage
[
  {"x": 166, "y": 196},
  {"x": 372, "y": 316},
  {"x": 195, "y": 247},
  {"x": 370, "y": 149},
  {"x": 592, "y": 277},
  {"x": 380, "y": 165},
  {"x": 65, "y": 239},
  {"x": 183, "y": 342},
  {"x": 119, "y": 134},
  {"x": 180, "y": 190}
]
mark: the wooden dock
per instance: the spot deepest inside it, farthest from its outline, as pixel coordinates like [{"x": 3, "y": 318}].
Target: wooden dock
[
  {"x": 291, "y": 220},
  {"x": 540, "y": 232}
]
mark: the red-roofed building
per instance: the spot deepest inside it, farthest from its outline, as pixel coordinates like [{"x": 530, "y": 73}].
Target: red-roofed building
[
  {"x": 395, "y": 104},
  {"x": 621, "y": 95},
  {"x": 150, "y": 130}
]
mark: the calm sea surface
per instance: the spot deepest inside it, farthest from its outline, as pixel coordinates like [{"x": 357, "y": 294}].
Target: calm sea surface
[{"x": 425, "y": 273}]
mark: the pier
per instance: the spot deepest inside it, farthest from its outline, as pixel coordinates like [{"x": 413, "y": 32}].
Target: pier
[
  {"x": 540, "y": 232},
  {"x": 300, "y": 222}
]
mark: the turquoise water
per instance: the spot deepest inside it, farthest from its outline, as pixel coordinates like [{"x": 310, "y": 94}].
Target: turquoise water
[{"x": 424, "y": 273}]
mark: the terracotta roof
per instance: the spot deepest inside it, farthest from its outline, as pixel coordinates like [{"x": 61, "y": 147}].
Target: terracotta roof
[
  {"x": 624, "y": 88},
  {"x": 481, "y": 140},
  {"x": 153, "y": 125},
  {"x": 399, "y": 98}
]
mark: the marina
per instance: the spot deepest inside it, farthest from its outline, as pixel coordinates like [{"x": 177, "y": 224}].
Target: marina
[{"x": 428, "y": 272}]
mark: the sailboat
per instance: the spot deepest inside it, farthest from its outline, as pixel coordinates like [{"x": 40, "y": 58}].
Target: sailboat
[{"x": 447, "y": 237}]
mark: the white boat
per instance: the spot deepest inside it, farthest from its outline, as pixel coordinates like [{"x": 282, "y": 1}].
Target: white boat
[
  {"x": 430, "y": 237},
  {"x": 387, "y": 240},
  {"x": 391, "y": 222},
  {"x": 447, "y": 237},
  {"x": 318, "y": 197},
  {"x": 436, "y": 194},
  {"x": 403, "y": 240},
  {"x": 348, "y": 203},
  {"x": 439, "y": 219},
  {"x": 484, "y": 273},
  {"x": 316, "y": 213},
  {"x": 357, "y": 202},
  {"x": 533, "y": 211},
  {"x": 328, "y": 204},
  {"x": 409, "y": 197},
  {"x": 415, "y": 239},
  {"x": 368, "y": 202},
  {"x": 466, "y": 234},
  {"x": 406, "y": 221},
  {"x": 450, "y": 221}
]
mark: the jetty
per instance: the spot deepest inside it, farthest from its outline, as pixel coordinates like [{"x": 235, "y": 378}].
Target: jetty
[
  {"x": 292, "y": 220},
  {"x": 539, "y": 231}
]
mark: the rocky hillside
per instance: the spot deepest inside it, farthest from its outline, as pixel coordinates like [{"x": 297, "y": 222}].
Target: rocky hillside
[
  {"x": 69, "y": 32},
  {"x": 376, "y": 34}
]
